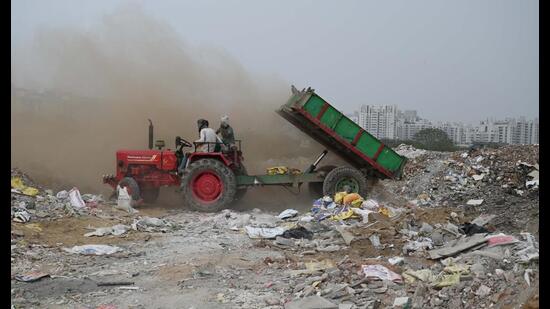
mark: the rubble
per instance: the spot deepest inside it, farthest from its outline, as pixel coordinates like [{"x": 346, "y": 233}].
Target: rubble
[{"x": 413, "y": 243}]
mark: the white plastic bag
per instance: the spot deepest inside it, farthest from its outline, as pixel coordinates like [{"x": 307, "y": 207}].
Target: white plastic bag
[
  {"x": 124, "y": 201},
  {"x": 76, "y": 199},
  {"x": 93, "y": 249}
]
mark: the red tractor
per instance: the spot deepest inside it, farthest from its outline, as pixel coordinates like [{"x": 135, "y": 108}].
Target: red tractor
[{"x": 208, "y": 182}]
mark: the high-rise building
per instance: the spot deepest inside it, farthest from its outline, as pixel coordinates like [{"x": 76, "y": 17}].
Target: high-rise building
[
  {"x": 388, "y": 122},
  {"x": 354, "y": 117},
  {"x": 380, "y": 121}
]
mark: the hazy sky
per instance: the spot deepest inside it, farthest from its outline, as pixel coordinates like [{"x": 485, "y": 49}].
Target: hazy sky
[{"x": 450, "y": 60}]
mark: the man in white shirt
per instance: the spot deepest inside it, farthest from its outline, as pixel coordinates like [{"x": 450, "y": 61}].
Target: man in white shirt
[{"x": 207, "y": 136}]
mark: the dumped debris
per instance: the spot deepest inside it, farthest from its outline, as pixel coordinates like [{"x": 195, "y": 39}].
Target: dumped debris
[
  {"x": 92, "y": 250},
  {"x": 413, "y": 243}
]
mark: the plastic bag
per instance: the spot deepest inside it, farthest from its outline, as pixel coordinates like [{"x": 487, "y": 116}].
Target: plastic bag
[
  {"x": 288, "y": 213},
  {"x": 339, "y": 197},
  {"x": 263, "y": 232},
  {"x": 124, "y": 201},
  {"x": 349, "y": 198},
  {"x": 381, "y": 272},
  {"x": 92, "y": 250},
  {"x": 76, "y": 199}
]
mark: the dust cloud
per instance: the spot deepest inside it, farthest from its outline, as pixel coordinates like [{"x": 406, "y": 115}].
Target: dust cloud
[{"x": 92, "y": 91}]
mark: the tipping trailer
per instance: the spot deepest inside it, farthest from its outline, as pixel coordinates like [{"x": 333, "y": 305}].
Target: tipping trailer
[
  {"x": 213, "y": 180},
  {"x": 317, "y": 118}
]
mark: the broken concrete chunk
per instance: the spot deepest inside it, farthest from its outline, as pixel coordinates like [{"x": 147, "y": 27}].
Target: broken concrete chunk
[
  {"x": 461, "y": 245},
  {"x": 346, "y": 235}
]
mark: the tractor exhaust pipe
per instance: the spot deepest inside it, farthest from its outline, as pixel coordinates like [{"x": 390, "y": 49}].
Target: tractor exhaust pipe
[{"x": 150, "y": 134}]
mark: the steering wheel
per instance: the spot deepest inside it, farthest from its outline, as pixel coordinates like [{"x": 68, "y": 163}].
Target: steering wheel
[{"x": 181, "y": 141}]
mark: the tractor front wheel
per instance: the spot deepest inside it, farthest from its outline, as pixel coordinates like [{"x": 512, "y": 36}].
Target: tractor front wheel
[
  {"x": 344, "y": 177},
  {"x": 208, "y": 185},
  {"x": 150, "y": 195},
  {"x": 131, "y": 186}
]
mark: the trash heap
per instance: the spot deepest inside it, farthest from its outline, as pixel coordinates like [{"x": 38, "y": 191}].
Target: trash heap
[
  {"x": 504, "y": 179},
  {"x": 409, "y": 151},
  {"x": 363, "y": 253},
  {"x": 30, "y": 201}
]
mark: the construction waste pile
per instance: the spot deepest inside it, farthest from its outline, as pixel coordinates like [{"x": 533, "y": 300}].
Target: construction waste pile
[{"x": 460, "y": 230}]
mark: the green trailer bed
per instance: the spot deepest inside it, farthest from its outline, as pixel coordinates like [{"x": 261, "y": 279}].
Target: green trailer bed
[{"x": 317, "y": 118}]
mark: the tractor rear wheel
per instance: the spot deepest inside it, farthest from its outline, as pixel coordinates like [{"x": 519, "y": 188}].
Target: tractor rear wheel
[
  {"x": 316, "y": 188},
  {"x": 208, "y": 185},
  {"x": 150, "y": 195},
  {"x": 132, "y": 187},
  {"x": 341, "y": 177}
]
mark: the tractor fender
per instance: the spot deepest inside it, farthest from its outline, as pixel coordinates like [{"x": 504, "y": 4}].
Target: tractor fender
[{"x": 208, "y": 155}]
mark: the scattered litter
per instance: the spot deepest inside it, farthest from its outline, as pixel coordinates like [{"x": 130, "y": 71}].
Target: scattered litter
[
  {"x": 17, "y": 183},
  {"x": 381, "y": 272},
  {"x": 22, "y": 216},
  {"x": 297, "y": 233},
  {"x": 93, "y": 250},
  {"x": 500, "y": 239},
  {"x": 401, "y": 302},
  {"x": 478, "y": 177},
  {"x": 115, "y": 230},
  {"x": 475, "y": 202},
  {"x": 31, "y": 277},
  {"x": 397, "y": 260},
  {"x": 150, "y": 224},
  {"x": 483, "y": 219},
  {"x": 76, "y": 199},
  {"x": 315, "y": 266},
  {"x": 346, "y": 235},
  {"x": 62, "y": 195},
  {"x": 462, "y": 245},
  {"x": 424, "y": 275},
  {"x": 263, "y": 232},
  {"x": 124, "y": 201},
  {"x": 113, "y": 283},
  {"x": 471, "y": 229},
  {"x": 289, "y": 213},
  {"x": 375, "y": 240},
  {"x": 447, "y": 280},
  {"x": 422, "y": 243}
]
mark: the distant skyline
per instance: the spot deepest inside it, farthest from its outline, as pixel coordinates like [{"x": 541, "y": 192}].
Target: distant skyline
[
  {"x": 470, "y": 121},
  {"x": 450, "y": 60}
]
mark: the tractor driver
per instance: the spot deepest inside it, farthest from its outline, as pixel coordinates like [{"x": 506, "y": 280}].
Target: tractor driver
[{"x": 208, "y": 137}]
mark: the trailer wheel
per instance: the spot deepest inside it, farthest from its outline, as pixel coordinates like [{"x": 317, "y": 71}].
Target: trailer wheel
[
  {"x": 316, "y": 188},
  {"x": 150, "y": 195},
  {"x": 208, "y": 185},
  {"x": 132, "y": 187},
  {"x": 343, "y": 176}
]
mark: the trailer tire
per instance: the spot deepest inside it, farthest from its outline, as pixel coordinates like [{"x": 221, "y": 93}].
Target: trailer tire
[
  {"x": 150, "y": 195},
  {"x": 316, "y": 188},
  {"x": 343, "y": 175},
  {"x": 208, "y": 185},
  {"x": 132, "y": 187}
]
